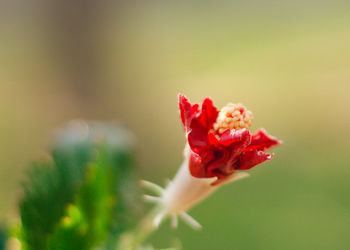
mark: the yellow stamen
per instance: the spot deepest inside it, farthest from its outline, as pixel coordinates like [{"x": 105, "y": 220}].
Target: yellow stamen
[{"x": 233, "y": 116}]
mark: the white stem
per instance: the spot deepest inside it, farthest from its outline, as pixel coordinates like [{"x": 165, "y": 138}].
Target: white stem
[
  {"x": 184, "y": 190},
  {"x": 190, "y": 221},
  {"x": 159, "y": 218},
  {"x": 151, "y": 199},
  {"x": 152, "y": 187},
  {"x": 174, "y": 221}
]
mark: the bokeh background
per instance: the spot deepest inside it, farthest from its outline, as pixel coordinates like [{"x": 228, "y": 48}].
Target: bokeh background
[{"x": 287, "y": 61}]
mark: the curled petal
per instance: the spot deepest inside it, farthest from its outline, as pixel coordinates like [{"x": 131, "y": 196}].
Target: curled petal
[
  {"x": 262, "y": 141},
  {"x": 235, "y": 135},
  {"x": 186, "y": 111},
  {"x": 216, "y": 167},
  {"x": 199, "y": 144},
  {"x": 208, "y": 114},
  {"x": 196, "y": 166},
  {"x": 218, "y": 158},
  {"x": 197, "y": 136},
  {"x": 237, "y": 140},
  {"x": 197, "y": 123},
  {"x": 205, "y": 116},
  {"x": 252, "y": 158},
  {"x": 213, "y": 141}
]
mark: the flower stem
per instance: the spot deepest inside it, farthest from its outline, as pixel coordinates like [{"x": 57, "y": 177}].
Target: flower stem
[{"x": 133, "y": 239}]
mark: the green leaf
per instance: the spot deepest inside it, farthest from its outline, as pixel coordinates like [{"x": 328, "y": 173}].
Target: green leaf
[
  {"x": 71, "y": 231},
  {"x": 43, "y": 204},
  {"x": 3, "y": 237},
  {"x": 91, "y": 171}
]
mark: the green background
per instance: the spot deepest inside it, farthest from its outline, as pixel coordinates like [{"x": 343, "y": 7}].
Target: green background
[{"x": 287, "y": 61}]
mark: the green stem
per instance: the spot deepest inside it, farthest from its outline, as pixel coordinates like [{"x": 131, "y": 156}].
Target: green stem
[{"x": 132, "y": 240}]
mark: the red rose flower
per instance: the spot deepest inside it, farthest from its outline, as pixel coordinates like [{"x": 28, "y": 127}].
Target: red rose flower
[{"x": 220, "y": 142}]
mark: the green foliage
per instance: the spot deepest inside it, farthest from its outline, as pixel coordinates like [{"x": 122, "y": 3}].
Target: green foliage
[
  {"x": 79, "y": 199},
  {"x": 3, "y": 237},
  {"x": 70, "y": 232}
]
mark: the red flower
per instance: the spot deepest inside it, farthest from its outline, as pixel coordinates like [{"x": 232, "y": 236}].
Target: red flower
[{"x": 220, "y": 142}]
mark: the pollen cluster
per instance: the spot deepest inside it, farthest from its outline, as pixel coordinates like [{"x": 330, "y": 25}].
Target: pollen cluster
[{"x": 233, "y": 116}]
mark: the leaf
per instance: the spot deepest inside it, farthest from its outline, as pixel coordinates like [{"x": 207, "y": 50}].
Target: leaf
[
  {"x": 3, "y": 237},
  {"x": 71, "y": 231},
  {"x": 92, "y": 171}
]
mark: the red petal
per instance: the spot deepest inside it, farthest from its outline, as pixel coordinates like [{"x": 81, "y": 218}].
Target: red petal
[
  {"x": 197, "y": 124},
  {"x": 231, "y": 145},
  {"x": 186, "y": 111},
  {"x": 200, "y": 141},
  {"x": 198, "y": 135},
  {"x": 197, "y": 168},
  {"x": 195, "y": 108},
  {"x": 235, "y": 135},
  {"x": 262, "y": 141},
  {"x": 208, "y": 113},
  {"x": 206, "y": 116},
  {"x": 252, "y": 158},
  {"x": 221, "y": 158},
  {"x": 213, "y": 140}
]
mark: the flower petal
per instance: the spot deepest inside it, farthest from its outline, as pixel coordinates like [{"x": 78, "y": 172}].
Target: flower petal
[
  {"x": 231, "y": 145},
  {"x": 231, "y": 136},
  {"x": 198, "y": 135},
  {"x": 186, "y": 111},
  {"x": 262, "y": 141},
  {"x": 205, "y": 116},
  {"x": 213, "y": 140},
  {"x": 252, "y": 158},
  {"x": 208, "y": 113},
  {"x": 197, "y": 124},
  {"x": 196, "y": 166}
]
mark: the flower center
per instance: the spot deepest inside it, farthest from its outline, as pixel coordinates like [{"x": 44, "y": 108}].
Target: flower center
[{"x": 233, "y": 116}]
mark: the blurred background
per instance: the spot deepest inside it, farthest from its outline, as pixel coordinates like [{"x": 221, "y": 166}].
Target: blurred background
[{"x": 126, "y": 61}]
